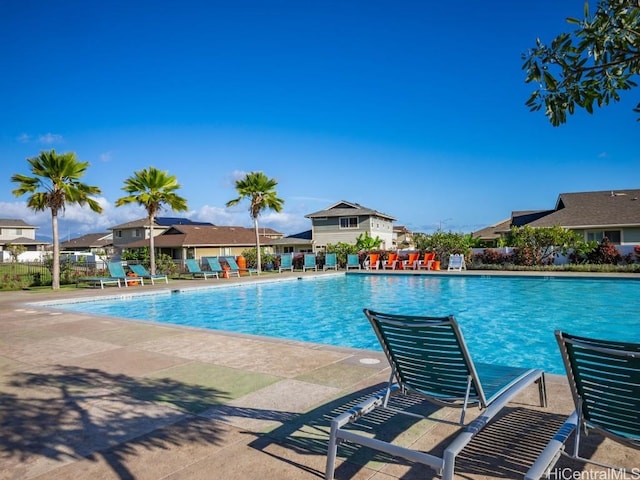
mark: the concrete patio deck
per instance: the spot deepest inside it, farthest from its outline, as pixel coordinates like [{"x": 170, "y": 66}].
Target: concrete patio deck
[{"x": 90, "y": 397}]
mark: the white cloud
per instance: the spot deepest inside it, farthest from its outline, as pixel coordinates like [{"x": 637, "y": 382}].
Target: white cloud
[
  {"x": 105, "y": 157},
  {"x": 49, "y": 138},
  {"x": 24, "y": 138}
]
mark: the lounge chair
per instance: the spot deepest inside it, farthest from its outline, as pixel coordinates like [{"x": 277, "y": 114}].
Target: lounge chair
[
  {"x": 196, "y": 271},
  {"x": 429, "y": 358},
  {"x": 330, "y": 261},
  {"x": 309, "y": 262},
  {"x": 140, "y": 271},
  {"x": 427, "y": 261},
  {"x": 231, "y": 261},
  {"x": 353, "y": 261},
  {"x": 216, "y": 266},
  {"x": 116, "y": 270},
  {"x": 391, "y": 262},
  {"x": 411, "y": 263},
  {"x": 372, "y": 262},
  {"x": 94, "y": 281},
  {"x": 286, "y": 262},
  {"x": 604, "y": 377},
  {"x": 456, "y": 262}
]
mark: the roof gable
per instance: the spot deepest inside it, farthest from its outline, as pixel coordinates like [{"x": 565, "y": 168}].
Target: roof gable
[{"x": 346, "y": 209}]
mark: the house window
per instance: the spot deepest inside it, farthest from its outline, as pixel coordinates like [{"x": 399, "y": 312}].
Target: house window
[
  {"x": 349, "y": 222},
  {"x": 137, "y": 232},
  {"x": 614, "y": 236},
  {"x": 18, "y": 231},
  {"x": 287, "y": 249},
  {"x": 119, "y": 233}
]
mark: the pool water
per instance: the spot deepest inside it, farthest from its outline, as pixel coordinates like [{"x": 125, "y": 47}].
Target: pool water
[{"x": 505, "y": 320}]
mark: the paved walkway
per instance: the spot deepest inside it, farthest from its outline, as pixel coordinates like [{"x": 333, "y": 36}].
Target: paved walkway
[{"x": 90, "y": 397}]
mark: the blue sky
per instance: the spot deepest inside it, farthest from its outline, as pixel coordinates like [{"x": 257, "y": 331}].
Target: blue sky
[{"x": 413, "y": 108}]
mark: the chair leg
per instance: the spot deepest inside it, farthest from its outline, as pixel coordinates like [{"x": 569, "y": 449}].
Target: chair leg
[
  {"x": 332, "y": 451},
  {"x": 542, "y": 390}
]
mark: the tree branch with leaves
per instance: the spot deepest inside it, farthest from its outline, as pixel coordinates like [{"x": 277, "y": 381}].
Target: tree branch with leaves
[{"x": 588, "y": 67}]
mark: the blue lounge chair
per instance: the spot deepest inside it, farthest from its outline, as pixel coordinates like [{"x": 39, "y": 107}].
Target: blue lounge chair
[
  {"x": 330, "y": 261},
  {"x": 309, "y": 262},
  {"x": 429, "y": 358},
  {"x": 286, "y": 262},
  {"x": 102, "y": 281},
  {"x": 353, "y": 261},
  {"x": 604, "y": 377},
  {"x": 196, "y": 271},
  {"x": 216, "y": 266},
  {"x": 231, "y": 261},
  {"x": 116, "y": 270},
  {"x": 140, "y": 271}
]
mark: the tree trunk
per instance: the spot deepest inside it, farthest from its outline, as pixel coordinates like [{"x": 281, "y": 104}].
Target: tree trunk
[
  {"x": 55, "y": 270},
  {"x": 258, "y": 259},
  {"x": 152, "y": 253}
]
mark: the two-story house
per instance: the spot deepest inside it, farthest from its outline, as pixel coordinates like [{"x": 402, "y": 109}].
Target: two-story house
[
  {"x": 346, "y": 221},
  {"x": 18, "y": 232}
]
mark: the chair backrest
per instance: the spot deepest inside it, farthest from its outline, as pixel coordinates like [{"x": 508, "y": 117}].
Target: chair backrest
[
  {"x": 286, "y": 260},
  {"x": 604, "y": 377},
  {"x": 392, "y": 257},
  {"x": 233, "y": 265},
  {"x": 116, "y": 269},
  {"x": 330, "y": 259},
  {"x": 139, "y": 270},
  {"x": 353, "y": 260},
  {"x": 428, "y": 256},
  {"x": 428, "y": 355},
  {"x": 214, "y": 264},
  {"x": 192, "y": 265},
  {"x": 456, "y": 261},
  {"x": 309, "y": 260},
  {"x": 413, "y": 257}
]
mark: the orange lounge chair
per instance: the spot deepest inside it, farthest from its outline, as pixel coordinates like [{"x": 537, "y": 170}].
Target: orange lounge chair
[
  {"x": 372, "y": 261},
  {"x": 411, "y": 263},
  {"x": 426, "y": 262},
  {"x": 391, "y": 262}
]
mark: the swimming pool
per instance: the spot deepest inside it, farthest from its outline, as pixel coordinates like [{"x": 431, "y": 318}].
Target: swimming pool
[{"x": 508, "y": 320}]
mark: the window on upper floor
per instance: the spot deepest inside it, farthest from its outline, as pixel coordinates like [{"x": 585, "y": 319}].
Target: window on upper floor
[
  {"x": 287, "y": 249},
  {"x": 349, "y": 222},
  {"x": 118, "y": 233},
  {"x": 18, "y": 231},
  {"x": 614, "y": 236},
  {"x": 137, "y": 232}
]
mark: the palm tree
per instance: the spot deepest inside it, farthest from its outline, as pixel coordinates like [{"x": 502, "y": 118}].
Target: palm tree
[
  {"x": 259, "y": 189},
  {"x": 152, "y": 188},
  {"x": 54, "y": 185}
]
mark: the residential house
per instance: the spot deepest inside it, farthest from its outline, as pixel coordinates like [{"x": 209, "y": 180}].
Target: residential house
[
  {"x": 402, "y": 238},
  {"x": 298, "y": 243},
  {"x": 97, "y": 243},
  {"x": 614, "y": 214},
  {"x": 19, "y": 232},
  {"x": 203, "y": 240},
  {"x": 137, "y": 230},
  {"x": 346, "y": 221}
]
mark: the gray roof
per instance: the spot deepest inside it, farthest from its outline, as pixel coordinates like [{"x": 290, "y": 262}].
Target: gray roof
[
  {"x": 594, "y": 209},
  {"x": 159, "y": 222},
  {"x": 346, "y": 209},
  {"x": 14, "y": 222},
  {"x": 90, "y": 240}
]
